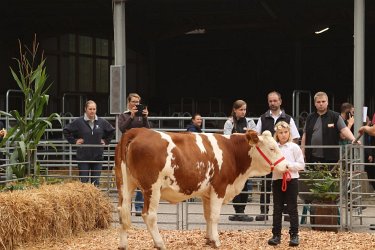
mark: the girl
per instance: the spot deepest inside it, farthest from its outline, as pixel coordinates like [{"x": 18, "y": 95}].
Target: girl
[
  {"x": 238, "y": 123},
  {"x": 286, "y": 192}
]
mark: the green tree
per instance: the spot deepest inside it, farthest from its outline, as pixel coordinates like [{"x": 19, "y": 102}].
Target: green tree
[{"x": 29, "y": 127}]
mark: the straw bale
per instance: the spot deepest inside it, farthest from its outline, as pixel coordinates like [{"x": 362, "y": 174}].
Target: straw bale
[{"x": 51, "y": 211}]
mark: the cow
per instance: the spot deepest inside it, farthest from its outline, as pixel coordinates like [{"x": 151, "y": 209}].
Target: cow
[{"x": 179, "y": 166}]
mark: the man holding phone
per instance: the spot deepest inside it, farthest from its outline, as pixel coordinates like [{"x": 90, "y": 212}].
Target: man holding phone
[
  {"x": 136, "y": 116},
  {"x": 347, "y": 114}
]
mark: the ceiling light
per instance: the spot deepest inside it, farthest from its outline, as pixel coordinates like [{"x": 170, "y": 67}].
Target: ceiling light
[{"x": 321, "y": 31}]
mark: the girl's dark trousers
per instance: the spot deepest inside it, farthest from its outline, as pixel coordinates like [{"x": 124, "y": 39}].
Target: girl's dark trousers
[{"x": 289, "y": 197}]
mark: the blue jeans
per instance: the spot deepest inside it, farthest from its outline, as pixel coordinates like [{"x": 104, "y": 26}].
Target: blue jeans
[
  {"x": 87, "y": 170},
  {"x": 138, "y": 198}
]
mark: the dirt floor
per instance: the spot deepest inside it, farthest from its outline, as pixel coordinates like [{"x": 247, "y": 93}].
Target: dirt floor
[{"x": 194, "y": 239}]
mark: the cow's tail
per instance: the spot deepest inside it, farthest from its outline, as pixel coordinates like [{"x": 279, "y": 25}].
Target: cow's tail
[{"x": 122, "y": 182}]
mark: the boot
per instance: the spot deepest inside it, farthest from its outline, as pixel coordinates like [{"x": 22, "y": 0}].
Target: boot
[
  {"x": 294, "y": 240},
  {"x": 275, "y": 240}
]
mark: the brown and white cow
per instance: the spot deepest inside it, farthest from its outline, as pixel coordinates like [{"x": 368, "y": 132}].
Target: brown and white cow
[{"x": 178, "y": 166}]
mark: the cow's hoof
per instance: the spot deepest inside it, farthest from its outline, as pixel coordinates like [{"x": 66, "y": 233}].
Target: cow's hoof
[
  {"x": 213, "y": 243},
  {"x": 161, "y": 247},
  {"x": 208, "y": 241},
  {"x": 217, "y": 244}
]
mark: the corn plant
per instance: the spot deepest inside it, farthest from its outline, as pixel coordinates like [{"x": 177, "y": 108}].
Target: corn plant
[{"x": 30, "y": 126}]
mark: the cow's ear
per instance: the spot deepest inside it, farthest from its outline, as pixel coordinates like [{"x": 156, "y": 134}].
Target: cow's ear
[
  {"x": 252, "y": 136},
  {"x": 267, "y": 133}
]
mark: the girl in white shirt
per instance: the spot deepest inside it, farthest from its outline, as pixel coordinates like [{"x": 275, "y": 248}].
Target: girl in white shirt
[{"x": 285, "y": 186}]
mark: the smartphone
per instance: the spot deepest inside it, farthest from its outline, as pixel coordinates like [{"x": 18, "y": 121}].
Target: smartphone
[{"x": 140, "y": 108}]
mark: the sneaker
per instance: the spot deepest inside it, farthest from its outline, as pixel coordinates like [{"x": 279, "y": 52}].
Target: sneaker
[
  {"x": 240, "y": 217},
  {"x": 294, "y": 240},
  {"x": 275, "y": 240},
  {"x": 261, "y": 217},
  {"x": 372, "y": 226}
]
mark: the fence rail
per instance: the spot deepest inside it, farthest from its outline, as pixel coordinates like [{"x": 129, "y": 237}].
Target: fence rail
[{"x": 354, "y": 209}]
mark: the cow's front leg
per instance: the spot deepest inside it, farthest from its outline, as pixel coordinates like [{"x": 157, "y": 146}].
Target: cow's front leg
[
  {"x": 149, "y": 214},
  {"x": 215, "y": 208}
]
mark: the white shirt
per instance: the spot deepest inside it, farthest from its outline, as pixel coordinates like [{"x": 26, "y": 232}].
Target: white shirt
[
  {"x": 293, "y": 128},
  {"x": 293, "y": 154}
]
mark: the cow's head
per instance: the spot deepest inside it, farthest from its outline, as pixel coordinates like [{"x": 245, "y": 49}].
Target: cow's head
[{"x": 266, "y": 155}]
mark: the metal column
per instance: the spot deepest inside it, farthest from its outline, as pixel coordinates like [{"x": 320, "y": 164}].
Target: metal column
[{"x": 120, "y": 45}]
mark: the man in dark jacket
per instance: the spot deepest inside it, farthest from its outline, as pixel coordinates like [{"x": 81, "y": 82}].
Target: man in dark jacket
[
  {"x": 267, "y": 121},
  {"x": 89, "y": 129},
  {"x": 323, "y": 127}
]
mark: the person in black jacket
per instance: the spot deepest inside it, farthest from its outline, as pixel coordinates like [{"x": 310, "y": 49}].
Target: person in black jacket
[
  {"x": 196, "y": 124},
  {"x": 323, "y": 127},
  {"x": 267, "y": 121},
  {"x": 89, "y": 129}
]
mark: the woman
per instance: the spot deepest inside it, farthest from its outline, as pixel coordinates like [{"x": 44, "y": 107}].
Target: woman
[
  {"x": 196, "y": 124},
  {"x": 134, "y": 118},
  {"x": 285, "y": 186},
  {"x": 89, "y": 129},
  {"x": 238, "y": 123}
]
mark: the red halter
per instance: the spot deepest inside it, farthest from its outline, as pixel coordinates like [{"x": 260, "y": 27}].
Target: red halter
[
  {"x": 286, "y": 175},
  {"x": 268, "y": 160}
]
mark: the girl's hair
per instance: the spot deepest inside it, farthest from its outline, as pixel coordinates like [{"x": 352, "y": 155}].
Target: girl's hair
[
  {"x": 88, "y": 103},
  {"x": 281, "y": 125},
  {"x": 236, "y": 105}
]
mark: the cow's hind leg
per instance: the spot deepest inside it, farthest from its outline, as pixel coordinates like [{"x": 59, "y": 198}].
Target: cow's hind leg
[
  {"x": 215, "y": 204},
  {"x": 151, "y": 204},
  {"x": 207, "y": 217},
  {"x": 125, "y": 210}
]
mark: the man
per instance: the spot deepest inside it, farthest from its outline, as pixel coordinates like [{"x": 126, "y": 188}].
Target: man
[
  {"x": 267, "y": 121},
  {"x": 347, "y": 114},
  {"x": 323, "y": 127}
]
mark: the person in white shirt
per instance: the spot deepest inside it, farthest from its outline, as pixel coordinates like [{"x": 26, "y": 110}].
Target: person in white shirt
[
  {"x": 285, "y": 186},
  {"x": 267, "y": 121}
]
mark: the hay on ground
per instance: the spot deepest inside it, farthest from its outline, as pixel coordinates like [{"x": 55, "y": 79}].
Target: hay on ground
[{"x": 51, "y": 211}]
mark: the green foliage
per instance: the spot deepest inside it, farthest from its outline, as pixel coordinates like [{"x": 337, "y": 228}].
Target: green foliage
[
  {"x": 30, "y": 126},
  {"x": 324, "y": 183}
]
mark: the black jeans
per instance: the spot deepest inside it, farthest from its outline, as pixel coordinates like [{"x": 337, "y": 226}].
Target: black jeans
[
  {"x": 265, "y": 186},
  {"x": 87, "y": 170},
  {"x": 289, "y": 197},
  {"x": 241, "y": 198}
]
